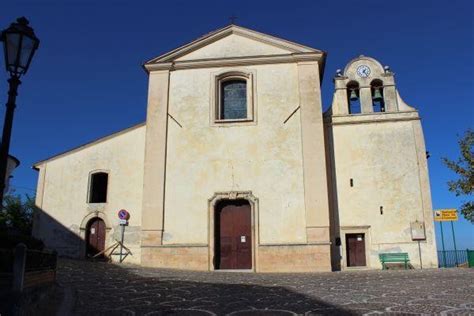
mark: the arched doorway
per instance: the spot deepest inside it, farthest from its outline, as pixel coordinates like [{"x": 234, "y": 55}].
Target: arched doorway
[
  {"x": 95, "y": 236},
  {"x": 233, "y": 235}
]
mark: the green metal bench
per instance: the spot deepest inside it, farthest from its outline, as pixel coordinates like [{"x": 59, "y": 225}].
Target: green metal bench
[{"x": 394, "y": 258}]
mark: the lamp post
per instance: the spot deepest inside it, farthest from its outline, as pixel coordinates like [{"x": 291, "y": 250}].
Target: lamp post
[{"x": 20, "y": 44}]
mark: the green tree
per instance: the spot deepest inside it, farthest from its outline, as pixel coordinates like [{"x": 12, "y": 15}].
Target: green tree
[
  {"x": 463, "y": 167},
  {"x": 17, "y": 213}
]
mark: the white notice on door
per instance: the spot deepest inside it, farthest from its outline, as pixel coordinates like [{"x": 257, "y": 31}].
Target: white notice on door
[
  {"x": 242, "y": 238},
  {"x": 92, "y": 230}
]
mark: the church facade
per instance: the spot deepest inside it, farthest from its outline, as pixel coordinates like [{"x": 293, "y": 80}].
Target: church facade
[{"x": 238, "y": 168}]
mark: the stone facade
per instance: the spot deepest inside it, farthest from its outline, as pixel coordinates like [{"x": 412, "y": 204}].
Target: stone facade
[{"x": 285, "y": 158}]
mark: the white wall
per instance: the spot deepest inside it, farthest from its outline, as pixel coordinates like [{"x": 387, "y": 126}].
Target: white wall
[
  {"x": 63, "y": 190},
  {"x": 383, "y": 159}
]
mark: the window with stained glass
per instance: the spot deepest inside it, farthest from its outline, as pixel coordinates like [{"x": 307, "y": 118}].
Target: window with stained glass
[{"x": 233, "y": 100}]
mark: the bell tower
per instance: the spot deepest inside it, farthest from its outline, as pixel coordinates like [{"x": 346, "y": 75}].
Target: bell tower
[
  {"x": 377, "y": 170},
  {"x": 365, "y": 87}
]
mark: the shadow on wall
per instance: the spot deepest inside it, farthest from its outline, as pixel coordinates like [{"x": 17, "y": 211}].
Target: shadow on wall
[
  {"x": 74, "y": 242},
  {"x": 66, "y": 241},
  {"x": 171, "y": 292},
  {"x": 333, "y": 202}
]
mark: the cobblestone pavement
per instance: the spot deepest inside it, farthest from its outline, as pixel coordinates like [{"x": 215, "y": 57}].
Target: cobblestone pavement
[{"x": 109, "y": 289}]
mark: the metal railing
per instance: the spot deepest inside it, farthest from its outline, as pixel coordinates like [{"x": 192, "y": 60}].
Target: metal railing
[
  {"x": 7, "y": 257},
  {"x": 453, "y": 258},
  {"x": 18, "y": 264},
  {"x": 40, "y": 260}
]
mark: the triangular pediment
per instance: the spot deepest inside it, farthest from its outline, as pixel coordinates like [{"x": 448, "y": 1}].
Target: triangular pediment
[
  {"x": 232, "y": 42},
  {"x": 234, "y": 45}
]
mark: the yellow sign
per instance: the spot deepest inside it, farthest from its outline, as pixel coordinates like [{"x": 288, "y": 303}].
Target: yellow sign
[{"x": 447, "y": 215}]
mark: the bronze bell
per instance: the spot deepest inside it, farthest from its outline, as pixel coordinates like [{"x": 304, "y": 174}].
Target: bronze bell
[
  {"x": 353, "y": 96},
  {"x": 377, "y": 97}
]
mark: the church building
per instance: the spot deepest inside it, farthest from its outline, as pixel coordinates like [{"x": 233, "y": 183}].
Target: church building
[{"x": 237, "y": 167}]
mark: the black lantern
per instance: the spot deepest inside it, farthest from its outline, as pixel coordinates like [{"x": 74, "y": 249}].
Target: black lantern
[{"x": 20, "y": 44}]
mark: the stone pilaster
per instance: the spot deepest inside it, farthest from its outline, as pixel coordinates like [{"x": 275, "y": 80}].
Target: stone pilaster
[
  {"x": 314, "y": 160},
  {"x": 366, "y": 105},
  {"x": 340, "y": 105},
  {"x": 155, "y": 159}
]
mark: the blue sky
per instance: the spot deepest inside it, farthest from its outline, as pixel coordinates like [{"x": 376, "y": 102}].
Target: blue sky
[{"x": 86, "y": 80}]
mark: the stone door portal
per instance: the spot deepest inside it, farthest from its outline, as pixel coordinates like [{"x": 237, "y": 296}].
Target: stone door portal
[
  {"x": 95, "y": 237},
  {"x": 355, "y": 250},
  {"x": 233, "y": 249}
]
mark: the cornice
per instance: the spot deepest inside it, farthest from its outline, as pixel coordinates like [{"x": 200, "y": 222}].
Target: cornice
[
  {"x": 365, "y": 87},
  {"x": 214, "y": 36},
  {"x": 355, "y": 227},
  {"x": 369, "y": 118},
  {"x": 238, "y": 61}
]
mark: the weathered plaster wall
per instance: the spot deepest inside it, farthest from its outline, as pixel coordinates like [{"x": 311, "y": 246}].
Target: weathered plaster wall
[
  {"x": 386, "y": 161},
  {"x": 63, "y": 189},
  {"x": 265, "y": 158}
]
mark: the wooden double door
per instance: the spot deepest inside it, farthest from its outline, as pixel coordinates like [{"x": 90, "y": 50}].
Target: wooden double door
[
  {"x": 233, "y": 235},
  {"x": 95, "y": 237},
  {"x": 355, "y": 250}
]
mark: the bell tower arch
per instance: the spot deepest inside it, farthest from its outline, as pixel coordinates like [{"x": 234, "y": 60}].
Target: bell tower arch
[{"x": 366, "y": 82}]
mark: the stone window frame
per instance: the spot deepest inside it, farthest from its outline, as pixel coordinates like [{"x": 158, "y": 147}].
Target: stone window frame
[
  {"x": 83, "y": 227},
  {"x": 216, "y": 98},
  {"x": 89, "y": 187},
  {"x": 344, "y": 230}
]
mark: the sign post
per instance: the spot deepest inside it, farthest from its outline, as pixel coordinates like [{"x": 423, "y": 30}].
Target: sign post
[
  {"x": 455, "y": 248},
  {"x": 447, "y": 215},
  {"x": 418, "y": 234},
  {"x": 123, "y": 216},
  {"x": 442, "y": 242}
]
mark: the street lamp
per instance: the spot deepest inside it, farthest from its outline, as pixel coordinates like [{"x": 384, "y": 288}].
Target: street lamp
[{"x": 20, "y": 44}]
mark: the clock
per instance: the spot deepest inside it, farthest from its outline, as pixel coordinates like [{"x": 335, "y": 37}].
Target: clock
[{"x": 363, "y": 71}]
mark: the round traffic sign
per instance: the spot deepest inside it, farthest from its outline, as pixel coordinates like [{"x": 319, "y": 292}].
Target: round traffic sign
[{"x": 124, "y": 214}]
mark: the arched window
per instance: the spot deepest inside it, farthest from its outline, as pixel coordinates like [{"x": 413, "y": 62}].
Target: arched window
[
  {"x": 233, "y": 99},
  {"x": 353, "y": 98},
  {"x": 98, "y": 187},
  {"x": 376, "y": 87}
]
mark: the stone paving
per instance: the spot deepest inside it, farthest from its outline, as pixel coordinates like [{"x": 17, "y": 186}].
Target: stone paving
[{"x": 109, "y": 289}]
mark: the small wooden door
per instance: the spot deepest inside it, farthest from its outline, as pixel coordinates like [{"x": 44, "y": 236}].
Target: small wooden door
[
  {"x": 355, "y": 250},
  {"x": 234, "y": 236},
  {"x": 95, "y": 236}
]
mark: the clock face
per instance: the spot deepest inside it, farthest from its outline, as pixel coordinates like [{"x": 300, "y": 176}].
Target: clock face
[{"x": 363, "y": 71}]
